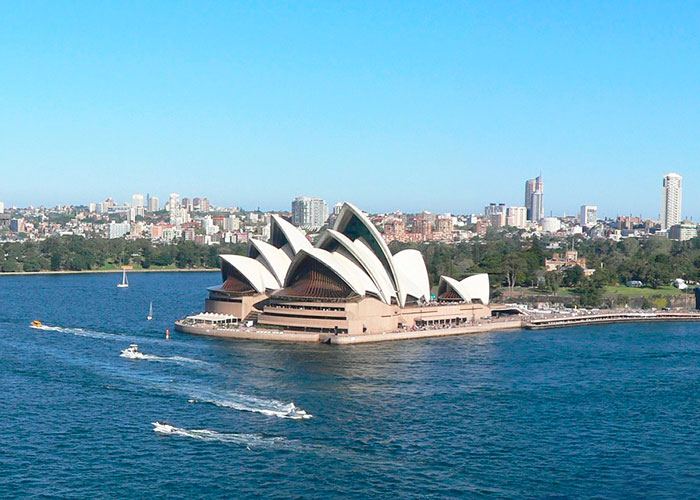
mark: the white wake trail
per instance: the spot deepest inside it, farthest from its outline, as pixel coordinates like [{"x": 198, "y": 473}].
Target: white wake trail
[
  {"x": 152, "y": 357},
  {"x": 81, "y": 332},
  {"x": 243, "y": 402},
  {"x": 248, "y": 440}
]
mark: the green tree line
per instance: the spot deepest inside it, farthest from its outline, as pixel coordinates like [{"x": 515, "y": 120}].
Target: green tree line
[{"x": 75, "y": 253}]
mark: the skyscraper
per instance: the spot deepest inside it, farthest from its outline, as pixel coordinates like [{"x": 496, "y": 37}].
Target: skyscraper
[
  {"x": 589, "y": 215},
  {"x": 672, "y": 194},
  {"x": 537, "y": 210},
  {"x": 309, "y": 213},
  {"x": 153, "y": 203},
  {"x": 137, "y": 200},
  {"x": 529, "y": 189},
  {"x": 534, "y": 192}
]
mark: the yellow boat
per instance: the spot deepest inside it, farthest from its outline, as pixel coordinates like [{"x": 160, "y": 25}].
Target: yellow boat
[{"x": 36, "y": 324}]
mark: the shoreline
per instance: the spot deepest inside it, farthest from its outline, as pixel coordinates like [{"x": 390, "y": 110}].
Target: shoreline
[{"x": 105, "y": 271}]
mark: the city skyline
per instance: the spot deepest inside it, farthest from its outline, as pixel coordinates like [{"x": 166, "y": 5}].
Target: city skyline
[
  {"x": 423, "y": 102},
  {"x": 284, "y": 206}
]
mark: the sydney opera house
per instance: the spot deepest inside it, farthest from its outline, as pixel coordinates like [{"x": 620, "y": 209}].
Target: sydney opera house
[{"x": 348, "y": 283}]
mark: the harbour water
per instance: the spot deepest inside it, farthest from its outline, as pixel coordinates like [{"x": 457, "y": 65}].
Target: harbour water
[{"x": 595, "y": 412}]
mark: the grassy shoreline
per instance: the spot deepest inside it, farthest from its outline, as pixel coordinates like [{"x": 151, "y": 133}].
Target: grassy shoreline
[{"x": 101, "y": 271}]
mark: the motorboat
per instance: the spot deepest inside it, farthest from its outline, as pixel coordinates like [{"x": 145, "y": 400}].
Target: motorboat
[
  {"x": 132, "y": 352},
  {"x": 36, "y": 324},
  {"x": 162, "y": 427}
]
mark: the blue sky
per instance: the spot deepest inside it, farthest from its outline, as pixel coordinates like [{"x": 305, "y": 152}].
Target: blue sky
[{"x": 393, "y": 105}]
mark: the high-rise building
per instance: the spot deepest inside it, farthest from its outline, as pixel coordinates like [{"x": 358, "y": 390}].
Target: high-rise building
[
  {"x": 118, "y": 229},
  {"x": 18, "y": 225},
  {"x": 537, "y": 210},
  {"x": 137, "y": 200},
  {"x": 683, "y": 232},
  {"x": 309, "y": 213},
  {"x": 2, "y": 207},
  {"x": 232, "y": 223},
  {"x": 204, "y": 205},
  {"x": 497, "y": 219},
  {"x": 516, "y": 217},
  {"x": 534, "y": 188},
  {"x": 672, "y": 194},
  {"x": 187, "y": 204},
  {"x": 589, "y": 215},
  {"x": 153, "y": 204},
  {"x": 494, "y": 209},
  {"x": 173, "y": 202},
  {"x": 529, "y": 189}
]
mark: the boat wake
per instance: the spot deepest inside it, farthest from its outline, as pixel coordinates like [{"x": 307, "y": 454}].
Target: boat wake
[
  {"x": 80, "y": 332},
  {"x": 243, "y": 402},
  {"x": 248, "y": 440},
  {"x": 152, "y": 357}
]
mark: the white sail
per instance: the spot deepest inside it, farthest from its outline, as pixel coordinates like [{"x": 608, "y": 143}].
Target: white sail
[{"x": 125, "y": 281}]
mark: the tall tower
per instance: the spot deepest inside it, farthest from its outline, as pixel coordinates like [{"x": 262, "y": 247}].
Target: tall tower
[
  {"x": 534, "y": 199},
  {"x": 672, "y": 194},
  {"x": 529, "y": 189}
]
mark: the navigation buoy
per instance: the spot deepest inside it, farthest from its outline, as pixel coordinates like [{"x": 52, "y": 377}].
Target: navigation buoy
[{"x": 167, "y": 334}]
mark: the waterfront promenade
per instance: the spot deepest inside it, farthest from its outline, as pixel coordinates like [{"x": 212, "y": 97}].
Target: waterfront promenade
[
  {"x": 532, "y": 321},
  {"x": 255, "y": 333},
  {"x": 603, "y": 317}
]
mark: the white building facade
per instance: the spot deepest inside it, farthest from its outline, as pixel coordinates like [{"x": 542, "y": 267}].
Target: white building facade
[
  {"x": 516, "y": 217},
  {"x": 118, "y": 229},
  {"x": 589, "y": 215},
  {"x": 672, "y": 194},
  {"x": 309, "y": 213}
]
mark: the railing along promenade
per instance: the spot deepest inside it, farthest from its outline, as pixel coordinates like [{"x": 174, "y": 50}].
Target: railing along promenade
[{"x": 587, "y": 318}]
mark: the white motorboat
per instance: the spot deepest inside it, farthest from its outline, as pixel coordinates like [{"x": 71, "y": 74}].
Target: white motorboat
[
  {"x": 132, "y": 352},
  {"x": 162, "y": 427}
]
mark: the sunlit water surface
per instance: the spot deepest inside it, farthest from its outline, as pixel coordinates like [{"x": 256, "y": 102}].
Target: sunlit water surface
[{"x": 600, "y": 412}]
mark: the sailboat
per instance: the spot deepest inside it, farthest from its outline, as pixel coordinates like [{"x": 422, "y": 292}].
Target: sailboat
[
  {"x": 150, "y": 312},
  {"x": 125, "y": 282}
]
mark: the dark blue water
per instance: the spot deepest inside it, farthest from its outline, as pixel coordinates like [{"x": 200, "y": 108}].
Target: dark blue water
[{"x": 597, "y": 412}]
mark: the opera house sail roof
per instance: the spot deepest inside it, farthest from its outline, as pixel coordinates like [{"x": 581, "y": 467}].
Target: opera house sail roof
[{"x": 352, "y": 260}]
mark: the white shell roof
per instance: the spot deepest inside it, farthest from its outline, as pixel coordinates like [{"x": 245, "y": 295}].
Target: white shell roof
[
  {"x": 257, "y": 275},
  {"x": 473, "y": 287},
  {"x": 368, "y": 260},
  {"x": 353, "y": 276},
  {"x": 478, "y": 287},
  {"x": 273, "y": 258},
  {"x": 340, "y": 225},
  {"x": 365, "y": 264},
  {"x": 295, "y": 238},
  {"x": 412, "y": 274}
]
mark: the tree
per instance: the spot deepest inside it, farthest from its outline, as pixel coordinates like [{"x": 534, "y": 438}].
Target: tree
[
  {"x": 514, "y": 266},
  {"x": 573, "y": 276},
  {"x": 590, "y": 292}
]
